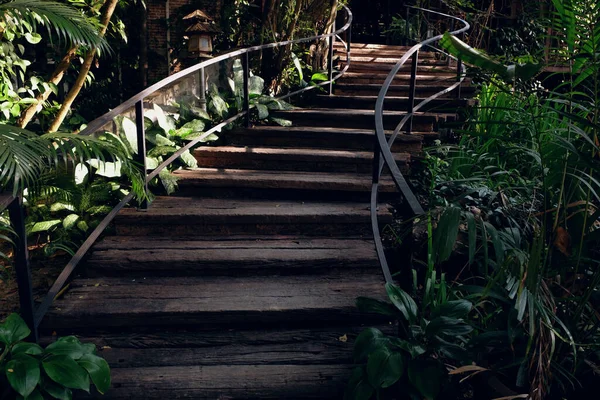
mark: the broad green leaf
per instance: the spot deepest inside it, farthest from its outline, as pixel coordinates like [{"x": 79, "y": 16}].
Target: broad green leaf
[
  {"x": 151, "y": 163},
  {"x": 207, "y": 138},
  {"x": 83, "y": 226},
  {"x": 61, "y": 207},
  {"x": 106, "y": 169},
  {"x": 472, "y": 232},
  {"x": 319, "y": 77},
  {"x": 256, "y": 85},
  {"x": 66, "y": 347},
  {"x": 166, "y": 122},
  {"x": 168, "y": 180},
  {"x": 26, "y": 348},
  {"x": 281, "y": 121},
  {"x": 414, "y": 350},
  {"x": 358, "y": 386},
  {"x": 57, "y": 391},
  {"x": 453, "y": 309},
  {"x": 219, "y": 105},
  {"x": 130, "y": 131},
  {"x": 368, "y": 305},
  {"x": 23, "y": 374},
  {"x": 65, "y": 371},
  {"x": 194, "y": 126},
  {"x": 44, "y": 225},
  {"x": 384, "y": 368},
  {"x": 296, "y": 61},
  {"x": 426, "y": 376},
  {"x": 447, "y": 326},
  {"x": 33, "y": 38},
  {"x": 70, "y": 221},
  {"x": 446, "y": 232},
  {"x": 98, "y": 369},
  {"x": 81, "y": 173},
  {"x": 263, "y": 111},
  {"x": 403, "y": 302},
  {"x": 13, "y": 329},
  {"x": 188, "y": 159},
  {"x": 162, "y": 151},
  {"x": 469, "y": 55},
  {"x": 367, "y": 342}
]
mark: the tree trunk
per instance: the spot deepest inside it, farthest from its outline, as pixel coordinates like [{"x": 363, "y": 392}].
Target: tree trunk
[
  {"x": 109, "y": 8},
  {"x": 57, "y": 75},
  {"x": 143, "y": 46}
]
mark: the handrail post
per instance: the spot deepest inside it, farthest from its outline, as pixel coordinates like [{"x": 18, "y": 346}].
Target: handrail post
[
  {"x": 202, "y": 89},
  {"x": 330, "y": 61},
  {"x": 246, "y": 73},
  {"x": 17, "y": 217},
  {"x": 412, "y": 91},
  {"x": 141, "y": 144}
]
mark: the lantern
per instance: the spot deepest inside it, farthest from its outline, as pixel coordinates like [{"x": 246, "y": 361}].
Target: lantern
[{"x": 200, "y": 31}]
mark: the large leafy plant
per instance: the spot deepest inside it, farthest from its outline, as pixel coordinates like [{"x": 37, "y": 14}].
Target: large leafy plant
[
  {"x": 409, "y": 363},
  {"x": 36, "y": 373}
]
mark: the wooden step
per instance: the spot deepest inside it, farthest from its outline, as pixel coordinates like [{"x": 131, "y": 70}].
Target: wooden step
[
  {"x": 389, "y": 61},
  {"x": 424, "y": 68},
  {"x": 396, "y": 53},
  {"x": 198, "y": 217},
  {"x": 314, "y": 185},
  {"x": 145, "y": 255},
  {"x": 211, "y": 302},
  {"x": 376, "y": 47},
  {"x": 399, "y": 90},
  {"x": 400, "y": 78},
  {"x": 315, "y": 346},
  {"x": 291, "y": 159},
  {"x": 270, "y": 382},
  {"x": 365, "y": 118},
  {"x": 391, "y": 103},
  {"x": 320, "y": 137}
]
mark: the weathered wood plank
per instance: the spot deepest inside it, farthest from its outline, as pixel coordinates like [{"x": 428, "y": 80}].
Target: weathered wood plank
[
  {"x": 212, "y": 301},
  {"x": 230, "y": 382}
]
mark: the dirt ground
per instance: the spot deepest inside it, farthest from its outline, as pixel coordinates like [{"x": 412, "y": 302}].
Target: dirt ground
[{"x": 43, "y": 274}]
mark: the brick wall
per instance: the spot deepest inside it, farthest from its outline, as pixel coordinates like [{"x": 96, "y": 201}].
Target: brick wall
[{"x": 158, "y": 48}]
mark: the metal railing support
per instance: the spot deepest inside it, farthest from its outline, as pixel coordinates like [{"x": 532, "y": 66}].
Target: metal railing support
[
  {"x": 246, "y": 73},
  {"x": 458, "y": 76},
  {"x": 330, "y": 61},
  {"x": 202, "y": 89},
  {"x": 412, "y": 90},
  {"x": 23, "y": 273},
  {"x": 141, "y": 144}
]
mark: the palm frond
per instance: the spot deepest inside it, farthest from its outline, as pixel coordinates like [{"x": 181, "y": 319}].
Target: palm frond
[{"x": 67, "y": 22}]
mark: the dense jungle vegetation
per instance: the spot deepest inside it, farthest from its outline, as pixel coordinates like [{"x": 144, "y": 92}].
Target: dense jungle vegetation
[{"x": 503, "y": 286}]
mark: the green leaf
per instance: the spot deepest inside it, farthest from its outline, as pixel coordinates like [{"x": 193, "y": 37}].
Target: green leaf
[
  {"x": 453, "y": 309},
  {"x": 367, "y": 342},
  {"x": 296, "y": 61},
  {"x": 57, "y": 391},
  {"x": 33, "y": 38},
  {"x": 219, "y": 105},
  {"x": 263, "y": 111},
  {"x": 189, "y": 159},
  {"x": 319, "y": 77},
  {"x": 13, "y": 329},
  {"x": 384, "y": 368},
  {"x": 368, "y": 305},
  {"x": 35, "y": 395},
  {"x": 446, "y": 232},
  {"x": 281, "y": 121},
  {"x": 168, "y": 180},
  {"x": 402, "y": 301},
  {"x": 414, "y": 350},
  {"x": 426, "y": 376},
  {"x": 23, "y": 374},
  {"x": 130, "y": 131},
  {"x": 256, "y": 85},
  {"x": 65, "y": 371},
  {"x": 70, "y": 220},
  {"x": 81, "y": 173},
  {"x": 83, "y": 226},
  {"x": 98, "y": 369},
  {"x": 447, "y": 326},
  {"x": 61, "y": 207},
  {"x": 472, "y": 232},
  {"x": 106, "y": 169},
  {"x": 44, "y": 225},
  {"x": 26, "y": 348},
  {"x": 166, "y": 122},
  {"x": 68, "y": 346},
  {"x": 358, "y": 386}
]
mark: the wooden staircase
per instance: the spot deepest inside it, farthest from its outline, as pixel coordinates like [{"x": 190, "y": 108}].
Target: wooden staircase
[{"x": 243, "y": 284}]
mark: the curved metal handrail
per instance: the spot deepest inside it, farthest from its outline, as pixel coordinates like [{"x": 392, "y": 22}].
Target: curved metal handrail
[
  {"x": 383, "y": 155},
  {"x": 137, "y": 102}
]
